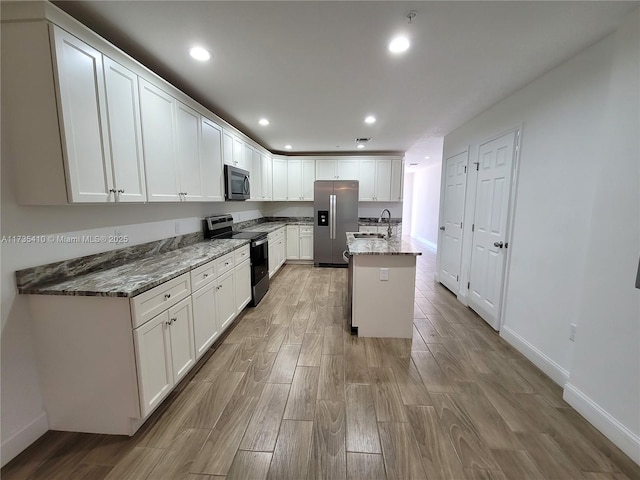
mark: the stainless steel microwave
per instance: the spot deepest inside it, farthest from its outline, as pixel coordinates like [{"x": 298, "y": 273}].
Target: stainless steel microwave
[{"x": 236, "y": 183}]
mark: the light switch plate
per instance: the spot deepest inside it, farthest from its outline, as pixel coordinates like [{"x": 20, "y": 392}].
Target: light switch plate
[{"x": 384, "y": 274}]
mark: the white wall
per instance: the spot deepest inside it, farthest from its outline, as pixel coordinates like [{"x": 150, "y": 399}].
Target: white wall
[
  {"x": 426, "y": 204},
  {"x": 575, "y": 234},
  {"x": 407, "y": 204},
  {"x": 22, "y": 416}
]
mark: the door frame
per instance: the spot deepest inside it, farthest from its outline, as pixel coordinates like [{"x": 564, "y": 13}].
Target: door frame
[
  {"x": 511, "y": 207},
  {"x": 443, "y": 177}
]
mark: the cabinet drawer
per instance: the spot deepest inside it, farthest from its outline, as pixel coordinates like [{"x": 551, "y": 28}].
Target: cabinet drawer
[
  {"x": 306, "y": 230},
  {"x": 203, "y": 275},
  {"x": 241, "y": 254},
  {"x": 152, "y": 302},
  {"x": 224, "y": 264}
]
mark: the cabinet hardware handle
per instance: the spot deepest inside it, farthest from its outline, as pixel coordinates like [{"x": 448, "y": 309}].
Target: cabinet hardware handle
[
  {"x": 168, "y": 323},
  {"x": 174, "y": 319},
  {"x": 205, "y": 275},
  {"x": 167, "y": 296},
  {"x": 121, "y": 190},
  {"x": 112, "y": 190}
]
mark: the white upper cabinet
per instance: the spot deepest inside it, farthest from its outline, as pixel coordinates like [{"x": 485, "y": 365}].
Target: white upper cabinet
[
  {"x": 211, "y": 160},
  {"x": 337, "y": 169},
  {"x": 279, "y": 179},
  {"x": 123, "y": 109},
  {"x": 267, "y": 172},
  {"x": 188, "y": 153},
  {"x": 301, "y": 173},
  {"x": 157, "y": 111},
  {"x": 397, "y": 180},
  {"x": 247, "y": 157},
  {"x": 227, "y": 148},
  {"x": 348, "y": 169},
  {"x": 238, "y": 153},
  {"x": 375, "y": 180},
  {"x": 82, "y": 104},
  {"x": 256, "y": 176},
  {"x": 326, "y": 169}
]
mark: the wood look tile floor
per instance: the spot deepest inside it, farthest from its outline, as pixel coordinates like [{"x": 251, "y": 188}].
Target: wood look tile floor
[{"x": 288, "y": 393}]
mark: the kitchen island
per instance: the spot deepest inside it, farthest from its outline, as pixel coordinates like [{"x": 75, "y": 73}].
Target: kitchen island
[{"x": 382, "y": 274}]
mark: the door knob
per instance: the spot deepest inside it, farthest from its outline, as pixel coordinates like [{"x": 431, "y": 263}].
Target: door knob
[
  {"x": 498, "y": 244},
  {"x": 442, "y": 228}
]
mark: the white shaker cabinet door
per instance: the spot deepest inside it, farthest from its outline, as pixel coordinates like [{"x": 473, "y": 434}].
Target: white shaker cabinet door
[
  {"x": 123, "y": 108},
  {"x": 267, "y": 171},
  {"x": 383, "y": 180},
  {"x": 243, "y": 285},
  {"x": 158, "y": 140},
  {"x": 348, "y": 169},
  {"x": 183, "y": 355},
  {"x": 397, "y": 180},
  {"x": 188, "y": 153},
  {"x": 211, "y": 161},
  {"x": 153, "y": 361},
  {"x": 293, "y": 244},
  {"x": 294, "y": 180},
  {"x": 256, "y": 176},
  {"x": 225, "y": 299},
  {"x": 308, "y": 179},
  {"x": 367, "y": 190},
  {"x": 306, "y": 243},
  {"x": 83, "y": 119},
  {"x": 325, "y": 169},
  {"x": 205, "y": 327},
  {"x": 279, "y": 179}
]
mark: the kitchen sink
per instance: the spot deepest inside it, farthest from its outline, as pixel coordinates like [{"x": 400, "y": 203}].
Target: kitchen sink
[{"x": 368, "y": 235}]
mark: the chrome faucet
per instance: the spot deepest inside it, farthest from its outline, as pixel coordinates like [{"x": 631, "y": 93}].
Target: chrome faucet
[{"x": 388, "y": 223}]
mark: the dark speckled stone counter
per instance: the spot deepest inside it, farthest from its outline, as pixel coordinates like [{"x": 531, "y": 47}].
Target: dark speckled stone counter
[
  {"x": 137, "y": 276},
  {"x": 379, "y": 246}
]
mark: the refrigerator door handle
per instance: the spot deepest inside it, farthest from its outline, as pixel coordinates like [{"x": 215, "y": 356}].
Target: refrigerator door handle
[{"x": 332, "y": 217}]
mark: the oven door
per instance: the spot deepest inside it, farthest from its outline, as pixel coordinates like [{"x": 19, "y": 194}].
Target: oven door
[
  {"x": 237, "y": 184},
  {"x": 259, "y": 269}
]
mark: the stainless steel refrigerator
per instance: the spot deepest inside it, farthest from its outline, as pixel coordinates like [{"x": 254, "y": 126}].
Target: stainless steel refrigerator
[{"x": 335, "y": 212}]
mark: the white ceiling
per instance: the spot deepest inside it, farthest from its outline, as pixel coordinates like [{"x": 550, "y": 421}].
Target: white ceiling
[{"x": 316, "y": 69}]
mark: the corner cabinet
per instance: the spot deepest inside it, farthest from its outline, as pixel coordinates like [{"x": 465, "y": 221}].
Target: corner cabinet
[{"x": 106, "y": 363}]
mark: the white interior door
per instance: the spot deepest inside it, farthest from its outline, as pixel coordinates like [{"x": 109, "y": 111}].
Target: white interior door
[
  {"x": 452, "y": 214},
  {"x": 495, "y": 164}
]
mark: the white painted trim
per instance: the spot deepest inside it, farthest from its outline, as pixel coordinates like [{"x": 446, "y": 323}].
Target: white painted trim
[
  {"x": 24, "y": 437},
  {"x": 621, "y": 436},
  {"x": 557, "y": 373}
]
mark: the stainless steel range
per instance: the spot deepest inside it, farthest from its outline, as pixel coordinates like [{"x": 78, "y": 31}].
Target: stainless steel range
[{"x": 221, "y": 226}]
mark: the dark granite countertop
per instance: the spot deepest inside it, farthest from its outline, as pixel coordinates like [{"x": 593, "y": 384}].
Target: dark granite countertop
[
  {"x": 379, "y": 246},
  {"x": 138, "y": 276}
]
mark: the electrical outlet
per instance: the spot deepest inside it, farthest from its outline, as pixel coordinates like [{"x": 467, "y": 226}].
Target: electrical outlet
[
  {"x": 384, "y": 274},
  {"x": 177, "y": 228},
  {"x": 572, "y": 332}
]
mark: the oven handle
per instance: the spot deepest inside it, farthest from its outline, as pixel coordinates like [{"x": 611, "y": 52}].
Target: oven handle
[
  {"x": 245, "y": 185},
  {"x": 259, "y": 242}
]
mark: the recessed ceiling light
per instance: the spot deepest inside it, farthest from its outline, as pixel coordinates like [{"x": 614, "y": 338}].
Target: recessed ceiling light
[
  {"x": 264, "y": 122},
  {"x": 360, "y": 145},
  {"x": 370, "y": 119},
  {"x": 413, "y": 164},
  {"x": 427, "y": 158},
  {"x": 399, "y": 44},
  {"x": 200, "y": 54},
  {"x": 288, "y": 147}
]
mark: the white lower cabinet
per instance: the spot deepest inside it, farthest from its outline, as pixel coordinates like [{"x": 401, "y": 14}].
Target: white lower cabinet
[
  {"x": 225, "y": 299},
  {"x": 243, "y": 285},
  {"x": 108, "y": 362},
  {"x": 299, "y": 242},
  {"x": 205, "y": 325},
  {"x": 277, "y": 250},
  {"x": 165, "y": 352}
]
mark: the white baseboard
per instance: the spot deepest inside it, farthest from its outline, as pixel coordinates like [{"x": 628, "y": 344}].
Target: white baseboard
[
  {"x": 621, "y": 436},
  {"x": 24, "y": 437},
  {"x": 543, "y": 362}
]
